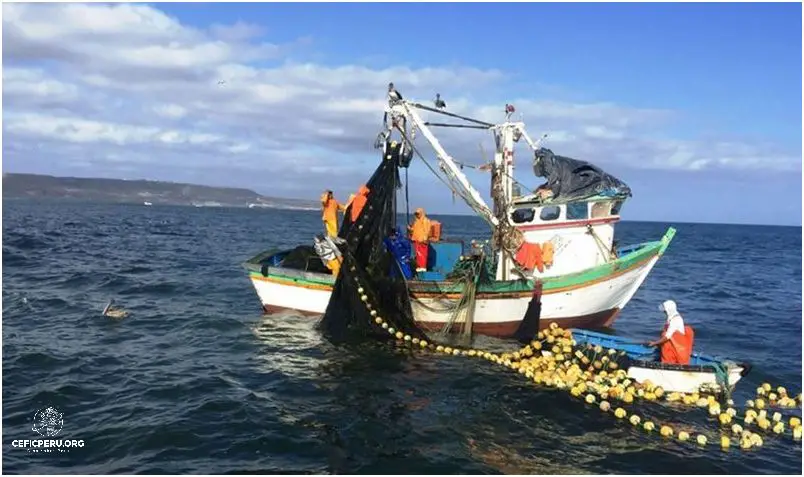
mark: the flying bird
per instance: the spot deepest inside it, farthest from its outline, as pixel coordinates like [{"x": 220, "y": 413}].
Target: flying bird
[
  {"x": 221, "y": 83},
  {"x": 439, "y": 103}
]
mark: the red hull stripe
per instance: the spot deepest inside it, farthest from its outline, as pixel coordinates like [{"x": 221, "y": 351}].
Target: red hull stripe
[{"x": 567, "y": 224}]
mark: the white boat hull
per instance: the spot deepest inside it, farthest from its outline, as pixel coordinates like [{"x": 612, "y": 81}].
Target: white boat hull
[
  {"x": 684, "y": 381},
  {"x": 592, "y": 304}
]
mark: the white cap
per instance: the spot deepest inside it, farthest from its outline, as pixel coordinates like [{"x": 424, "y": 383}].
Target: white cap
[{"x": 669, "y": 308}]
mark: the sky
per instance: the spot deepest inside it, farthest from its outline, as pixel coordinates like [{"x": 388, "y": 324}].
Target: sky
[{"x": 697, "y": 107}]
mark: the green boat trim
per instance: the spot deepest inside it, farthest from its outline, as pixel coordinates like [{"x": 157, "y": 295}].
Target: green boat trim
[{"x": 636, "y": 255}]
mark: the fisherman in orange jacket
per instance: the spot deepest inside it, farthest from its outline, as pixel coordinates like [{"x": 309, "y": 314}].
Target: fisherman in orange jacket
[
  {"x": 675, "y": 345},
  {"x": 420, "y": 236},
  {"x": 330, "y": 208},
  {"x": 358, "y": 202}
]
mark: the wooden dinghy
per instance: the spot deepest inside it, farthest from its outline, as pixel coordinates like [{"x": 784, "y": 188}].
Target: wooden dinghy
[{"x": 704, "y": 373}]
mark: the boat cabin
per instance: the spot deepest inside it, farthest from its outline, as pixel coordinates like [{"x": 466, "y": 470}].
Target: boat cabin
[{"x": 581, "y": 232}]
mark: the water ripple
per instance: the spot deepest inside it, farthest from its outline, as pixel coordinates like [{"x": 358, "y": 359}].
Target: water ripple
[{"x": 195, "y": 380}]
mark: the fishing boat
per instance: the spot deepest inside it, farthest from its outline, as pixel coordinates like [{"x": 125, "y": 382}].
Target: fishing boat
[
  {"x": 585, "y": 284},
  {"x": 703, "y": 373}
]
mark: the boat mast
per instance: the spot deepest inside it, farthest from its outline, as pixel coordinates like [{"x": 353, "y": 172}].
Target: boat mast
[
  {"x": 506, "y": 237},
  {"x": 509, "y": 238},
  {"x": 502, "y": 184}
]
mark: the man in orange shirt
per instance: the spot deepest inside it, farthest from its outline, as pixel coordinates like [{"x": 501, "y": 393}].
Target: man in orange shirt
[
  {"x": 675, "y": 344},
  {"x": 420, "y": 236},
  {"x": 358, "y": 202},
  {"x": 330, "y": 208}
]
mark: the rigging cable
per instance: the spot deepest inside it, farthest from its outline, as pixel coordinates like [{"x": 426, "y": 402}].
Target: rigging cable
[
  {"x": 471, "y": 202},
  {"x": 516, "y": 266},
  {"x": 407, "y": 200},
  {"x": 393, "y": 203}
]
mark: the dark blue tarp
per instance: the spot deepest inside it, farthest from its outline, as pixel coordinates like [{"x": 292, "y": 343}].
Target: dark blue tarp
[{"x": 571, "y": 179}]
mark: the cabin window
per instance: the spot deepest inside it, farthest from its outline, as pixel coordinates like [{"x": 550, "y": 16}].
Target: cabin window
[
  {"x": 600, "y": 209},
  {"x": 615, "y": 208},
  {"x": 523, "y": 216},
  {"x": 577, "y": 211},
  {"x": 551, "y": 212}
]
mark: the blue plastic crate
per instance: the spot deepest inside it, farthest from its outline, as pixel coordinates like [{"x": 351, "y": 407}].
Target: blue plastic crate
[
  {"x": 443, "y": 256},
  {"x": 430, "y": 276}
]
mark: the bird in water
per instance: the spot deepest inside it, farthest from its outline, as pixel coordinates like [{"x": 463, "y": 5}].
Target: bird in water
[
  {"x": 393, "y": 94},
  {"x": 111, "y": 312},
  {"x": 439, "y": 103}
]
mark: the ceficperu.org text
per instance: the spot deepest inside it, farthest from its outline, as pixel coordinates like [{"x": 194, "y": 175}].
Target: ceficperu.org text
[{"x": 47, "y": 443}]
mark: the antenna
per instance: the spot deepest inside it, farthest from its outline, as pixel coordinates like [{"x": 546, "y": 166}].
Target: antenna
[{"x": 540, "y": 140}]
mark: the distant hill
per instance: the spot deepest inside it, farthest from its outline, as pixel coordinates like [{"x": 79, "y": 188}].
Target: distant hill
[{"x": 140, "y": 191}]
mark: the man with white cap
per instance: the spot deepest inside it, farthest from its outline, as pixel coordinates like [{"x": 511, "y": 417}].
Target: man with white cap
[{"x": 675, "y": 344}]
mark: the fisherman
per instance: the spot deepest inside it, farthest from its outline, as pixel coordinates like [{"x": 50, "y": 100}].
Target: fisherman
[
  {"x": 358, "y": 202},
  {"x": 420, "y": 235},
  {"x": 544, "y": 191},
  {"x": 330, "y": 208},
  {"x": 399, "y": 247},
  {"x": 675, "y": 344},
  {"x": 328, "y": 251}
]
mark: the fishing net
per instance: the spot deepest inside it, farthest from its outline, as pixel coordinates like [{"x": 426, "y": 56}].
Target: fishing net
[
  {"x": 304, "y": 258},
  {"x": 370, "y": 283}
]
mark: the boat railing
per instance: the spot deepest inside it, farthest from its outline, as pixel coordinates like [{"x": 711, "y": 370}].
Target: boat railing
[
  {"x": 631, "y": 248},
  {"x": 628, "y": 249}
]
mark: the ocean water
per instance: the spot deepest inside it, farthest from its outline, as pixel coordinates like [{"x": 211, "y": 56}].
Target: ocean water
[{"x": 197, "y": 380}]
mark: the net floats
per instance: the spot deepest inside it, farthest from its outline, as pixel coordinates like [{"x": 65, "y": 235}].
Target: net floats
[{"x": 553, "y": 360}]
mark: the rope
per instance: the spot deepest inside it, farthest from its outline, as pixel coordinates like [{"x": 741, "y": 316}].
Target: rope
[
  {"x": 407, "y": 200},
  {"x": 393, "y": 202},
  {"x": 470, "y": 312},
  {"x": 452, "y": 115},
  {"x": 461, "y": 277},
  {"x": 509, "y": 253},
  {"x": 600, "y": 244},
  {"x": 456, "y": 312},
  {"x": 470, "y": 277},
  {"x": 454, "y": 190},
  {"x": 722, "y": 378}
]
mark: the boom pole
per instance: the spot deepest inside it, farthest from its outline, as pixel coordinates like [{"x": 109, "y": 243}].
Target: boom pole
[{"x": 453, "y": 171}]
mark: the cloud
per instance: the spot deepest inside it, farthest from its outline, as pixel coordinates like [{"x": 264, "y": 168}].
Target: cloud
[
  {"x": 240, "y": 31},
  {"x": 170, "y": 110},
  {"x": 127, "y": 87}
]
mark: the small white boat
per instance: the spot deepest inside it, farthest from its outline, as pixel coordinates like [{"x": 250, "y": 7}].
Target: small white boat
[
  {"x": 703, "y": 374},
  {"x": 146, "y": 203}
]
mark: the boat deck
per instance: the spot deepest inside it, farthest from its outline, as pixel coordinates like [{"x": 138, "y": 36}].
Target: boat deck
[{"x": 302, "y": 262}]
